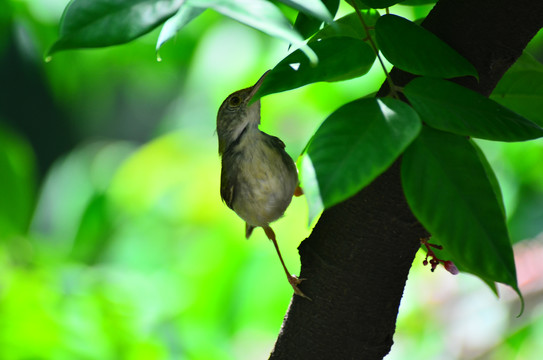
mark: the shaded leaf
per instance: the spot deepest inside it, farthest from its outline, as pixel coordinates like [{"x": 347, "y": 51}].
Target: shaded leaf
[
  {"x": 451, "y": 107},
  {"x": 449, "y": 191},
  {"x": 379, "y": 4},
  {"x": 313, "y": 8},
  {"x": 350, "y": 26},
  {"x": 340, "y": 58},
  {"x": 354, "y": 145},
  {"x": 416, "y": 50},
  {"x": 17, "y": 183},
  {"x": 183, "y": 16},
  {"x": 417, "y": 2},
  {"x": 308, "y": 25},
  {"x": 98, "y": 23}
]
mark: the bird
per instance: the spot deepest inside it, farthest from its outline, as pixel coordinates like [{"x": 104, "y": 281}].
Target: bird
[{"x": 258, "y": 177}]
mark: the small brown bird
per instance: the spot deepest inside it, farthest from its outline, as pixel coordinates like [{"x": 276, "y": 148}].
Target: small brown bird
[{"x": 258, "y": 177}]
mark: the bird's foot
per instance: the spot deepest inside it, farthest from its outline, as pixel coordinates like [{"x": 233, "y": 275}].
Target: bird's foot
[
  {"x": 298, "y": 191},
  {"x": 294, "y": 281}
]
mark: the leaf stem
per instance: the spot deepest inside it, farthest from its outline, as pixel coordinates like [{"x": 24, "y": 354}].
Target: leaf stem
[{"x": 391, "y": 85}]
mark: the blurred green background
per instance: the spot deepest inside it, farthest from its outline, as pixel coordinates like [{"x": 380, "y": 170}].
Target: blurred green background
[{"x": 114, "y": 243}]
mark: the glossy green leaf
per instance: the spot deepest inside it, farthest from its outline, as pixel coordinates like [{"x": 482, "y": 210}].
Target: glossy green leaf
[
  {"x": 340, "y": 58},
  {"x": 98, "y": 23},
  {"x": 183, "y": 16},
  {"x": 307, "y": 25},
  {"x": 379, "y": 4},
  {"x": 521, "y": 89},
  {"x": 451, "y": 107},
  {"x": 17, "y": 184},
  {"x": 314, "y": 8},
  {"x": 261, "y": 15},
  {"x": 416, "y": 50},
  {"x": 355, "y": 144},
  {"x": 449, "y": 191},
  {"x": 350, "y": 26}
]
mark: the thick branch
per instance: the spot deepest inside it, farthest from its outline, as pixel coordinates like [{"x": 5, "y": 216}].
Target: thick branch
[{"x": 358, "y": 257}]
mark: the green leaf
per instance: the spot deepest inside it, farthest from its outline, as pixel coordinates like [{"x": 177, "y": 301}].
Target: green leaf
[
  {"x": 17, "y": 183},
  {"x": 350, "y": 26},
  {"x": 451, "y": 107},
  {"x": 340, "y": 58},
  {"x": 449, "y": 191},
  {"x": 310, "y": 184},
  {"x": 308, "y": 25},
  {"x": 380, "y": 4},
  {"x": 491, "y": 177},
  {"x": 418, "y": 51},
  {"x": 354, "y": 145},
  {"x": 98, "y": 23},
  {"x": 522, "y": 92},
  {"x": 313, "y": 8},
  {"x": 184, "y": 15},
  {"x": 526, "y": 62},
  {"x": 261, "y": 15},
  {"x": 94, "y": 232}
]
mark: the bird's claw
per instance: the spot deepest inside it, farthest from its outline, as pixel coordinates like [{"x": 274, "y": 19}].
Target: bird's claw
[{"x": 294, "y": 281}]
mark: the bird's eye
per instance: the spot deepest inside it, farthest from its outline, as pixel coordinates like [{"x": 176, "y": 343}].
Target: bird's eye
[{"x": 235, "y": 101}]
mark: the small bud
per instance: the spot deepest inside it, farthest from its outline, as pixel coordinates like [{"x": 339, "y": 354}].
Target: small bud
[{"x": 450, "y": 267}]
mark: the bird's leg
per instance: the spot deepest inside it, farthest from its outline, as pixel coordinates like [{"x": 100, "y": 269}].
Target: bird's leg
[
  {"x": 292, "y": 279},
  {"x": 298, "y": 191}
]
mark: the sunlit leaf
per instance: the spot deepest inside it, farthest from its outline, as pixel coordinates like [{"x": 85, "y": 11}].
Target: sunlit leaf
[
  {"x": 261, "y": 15},
  {"x": 310, "y": 184},
  {"x": 491, "y": 177},
  {"x": 521, "y": 89},
  {"x": 98, "y": 23},
  {"x": 451, "y": 107},
  {"x": 340, "y": 58},
  {"x": 418, "y": 51},
  {"x": 449, "y": 191},
  {"x": 354, "y": 145},
  {"x": 184, "y": 15},
  {"x": 307, "y": 25}
]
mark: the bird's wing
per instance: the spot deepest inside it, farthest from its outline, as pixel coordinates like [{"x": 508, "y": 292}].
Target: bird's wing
[
  {"x": 228, "y": 190},
  {"x": 276, "y": 141}
]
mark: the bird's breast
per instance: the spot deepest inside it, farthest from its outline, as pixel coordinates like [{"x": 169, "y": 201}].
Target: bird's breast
[{"x": 267, "y": 178}]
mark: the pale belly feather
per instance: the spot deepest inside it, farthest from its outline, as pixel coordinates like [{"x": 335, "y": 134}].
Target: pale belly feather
[{"x": 266, "y": 186}]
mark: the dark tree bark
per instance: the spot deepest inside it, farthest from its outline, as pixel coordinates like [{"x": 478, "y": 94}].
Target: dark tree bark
[{"x": 358, "y": 256}]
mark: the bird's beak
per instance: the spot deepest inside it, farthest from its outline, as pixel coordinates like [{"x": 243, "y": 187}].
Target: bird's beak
[{"x": 256, "y": 86}]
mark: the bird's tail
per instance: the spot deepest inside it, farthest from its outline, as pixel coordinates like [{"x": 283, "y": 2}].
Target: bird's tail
[{"x": 248, "y": 230}]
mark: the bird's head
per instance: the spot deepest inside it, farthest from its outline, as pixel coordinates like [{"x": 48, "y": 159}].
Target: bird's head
[{"x": 235, "y": 114}]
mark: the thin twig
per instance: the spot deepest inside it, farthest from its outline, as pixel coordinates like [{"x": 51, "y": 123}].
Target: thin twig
[{"x": 391, "y": 85}]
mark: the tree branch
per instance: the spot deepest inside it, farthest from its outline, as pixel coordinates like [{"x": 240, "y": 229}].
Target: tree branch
[{"x": 357, "y": 258}]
